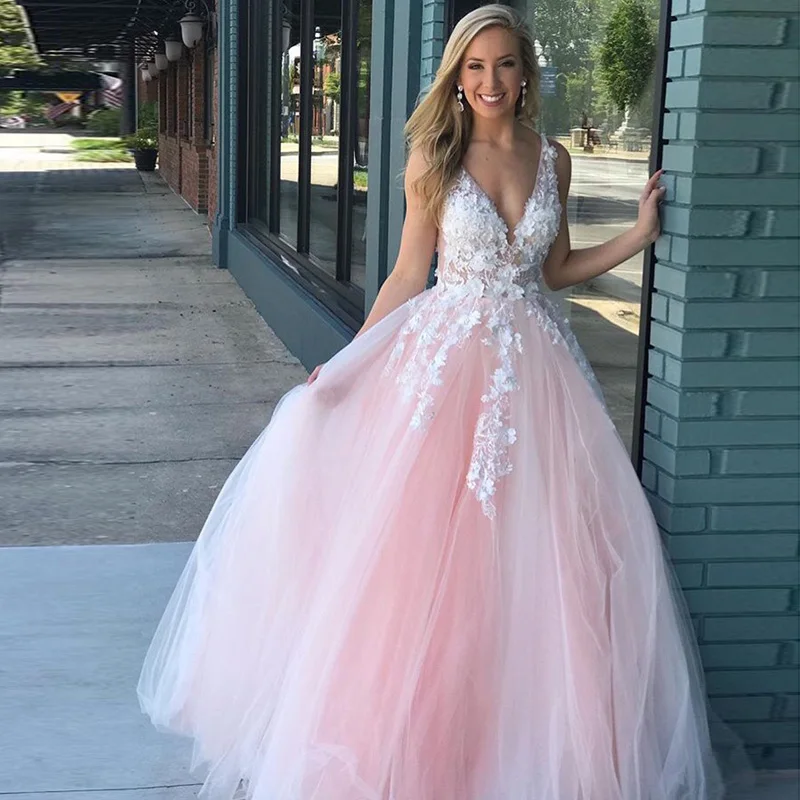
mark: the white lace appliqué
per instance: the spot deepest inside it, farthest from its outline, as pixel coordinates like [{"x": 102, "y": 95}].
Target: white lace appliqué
[{"x": 485, "y": 270}]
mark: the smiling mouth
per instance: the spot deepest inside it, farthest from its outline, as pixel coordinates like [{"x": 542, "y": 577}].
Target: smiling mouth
[{"x": 492, "y": 99}]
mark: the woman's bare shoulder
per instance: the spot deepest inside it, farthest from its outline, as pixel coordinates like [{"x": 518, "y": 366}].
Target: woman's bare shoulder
[
  {"x": 561, "y": 152},
  {"x": 563, "y": 161}
]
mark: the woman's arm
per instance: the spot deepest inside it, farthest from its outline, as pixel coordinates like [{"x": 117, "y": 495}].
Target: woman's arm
[
  {"x": 567, "y": 267},
  {"x": 417, "y": 245}
]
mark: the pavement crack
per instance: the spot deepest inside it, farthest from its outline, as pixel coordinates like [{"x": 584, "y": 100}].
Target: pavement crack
[
  {"x": 10, "y": 365},
  {"x": 103, "y": 789},
  {"x": 58, "y": 462}
]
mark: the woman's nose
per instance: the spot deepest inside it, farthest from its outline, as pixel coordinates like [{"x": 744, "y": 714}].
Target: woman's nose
[{"x": 493, "y": 79}]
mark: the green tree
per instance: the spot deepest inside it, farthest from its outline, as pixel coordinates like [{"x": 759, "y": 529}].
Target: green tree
[
  {"x": 627, "y": 53},
  {"x": 564, "y": 29},
  {"x": 333, "y": 86},
  {"x": 17, "y": 50},
  {"x": 31, "y": 104}
]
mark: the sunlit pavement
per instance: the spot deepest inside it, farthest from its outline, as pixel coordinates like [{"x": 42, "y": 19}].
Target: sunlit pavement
[{"x": 133, "y": 376}]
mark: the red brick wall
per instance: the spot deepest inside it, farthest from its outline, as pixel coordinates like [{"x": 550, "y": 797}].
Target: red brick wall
[
  {"x": 148, "y": 91},
  {"x": 186, "y": 160},
  {"x": 169, "y": 161},
  {"x": 194, "y": 175}
]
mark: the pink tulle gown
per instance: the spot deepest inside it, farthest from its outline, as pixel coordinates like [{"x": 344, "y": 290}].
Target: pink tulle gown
[{"x": 434, "y": 575}]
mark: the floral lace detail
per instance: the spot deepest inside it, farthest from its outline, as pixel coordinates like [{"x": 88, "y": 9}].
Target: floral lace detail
[
  {"x": 493, "y": 433},
  {"x": 481, "y": 277},
  {"x": 434, "y": 338}
]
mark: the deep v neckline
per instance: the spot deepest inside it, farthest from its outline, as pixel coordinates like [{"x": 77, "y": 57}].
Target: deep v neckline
[{"x": 507, "y": 229}]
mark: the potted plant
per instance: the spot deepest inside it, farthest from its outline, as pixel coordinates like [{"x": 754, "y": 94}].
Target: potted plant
[{"x": 144, "y": 146}]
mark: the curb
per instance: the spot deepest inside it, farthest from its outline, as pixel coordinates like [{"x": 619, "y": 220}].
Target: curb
[{"x": 645, "y": 161}]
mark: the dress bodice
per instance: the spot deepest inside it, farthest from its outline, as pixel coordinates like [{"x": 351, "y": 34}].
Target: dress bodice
[
  {"x": 489, "y": 280},
  {"x": 476, "y": 248}
]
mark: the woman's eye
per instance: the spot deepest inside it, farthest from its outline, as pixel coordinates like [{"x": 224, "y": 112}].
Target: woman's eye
[
  {"x": 507, "y": 64},
  {"x": 474, "y": 66}
]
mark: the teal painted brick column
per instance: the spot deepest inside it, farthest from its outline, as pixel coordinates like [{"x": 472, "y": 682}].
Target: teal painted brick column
[
  {"x": 433, "y": 34},
  {"x": 722, "y": 463},
  {"x": 227, "y": 116}
]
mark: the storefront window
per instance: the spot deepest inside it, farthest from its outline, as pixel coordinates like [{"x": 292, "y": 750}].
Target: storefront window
[
  {"x": 311, "y": 159},
  {"x": 289, "y": 165},
  {"x": 584, "y": 85},
  {"x": 599, "y": 104},
  {"x": 361, "y": 154},
  {"x": 325, "y": 123},
  {"x": 598, "y": 76},
  {"x": 257, "y": 133}
]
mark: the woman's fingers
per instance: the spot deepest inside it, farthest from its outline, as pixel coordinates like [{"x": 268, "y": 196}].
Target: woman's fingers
[
  {"x": 652, "y": 187},
  {"x": 652, "y": 182}
]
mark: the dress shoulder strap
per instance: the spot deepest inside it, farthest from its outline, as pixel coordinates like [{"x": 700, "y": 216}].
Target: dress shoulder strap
[{"x": 548, "y": 176}]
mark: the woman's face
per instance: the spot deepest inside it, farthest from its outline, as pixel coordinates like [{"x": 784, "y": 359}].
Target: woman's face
[{"x": 491, "y": 73}]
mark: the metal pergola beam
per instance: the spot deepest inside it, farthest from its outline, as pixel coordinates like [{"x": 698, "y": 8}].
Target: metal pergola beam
[{"x": 67, "y": 27}]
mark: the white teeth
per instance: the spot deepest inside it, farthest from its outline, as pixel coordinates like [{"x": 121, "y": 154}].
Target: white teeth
[{"x": 492, "y": 98}]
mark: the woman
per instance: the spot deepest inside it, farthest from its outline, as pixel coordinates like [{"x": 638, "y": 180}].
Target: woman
[{"x": 434, "y": 576}]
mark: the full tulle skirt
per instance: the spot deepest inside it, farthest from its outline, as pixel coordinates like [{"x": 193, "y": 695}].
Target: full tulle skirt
[{"x": 352, "y": 625}]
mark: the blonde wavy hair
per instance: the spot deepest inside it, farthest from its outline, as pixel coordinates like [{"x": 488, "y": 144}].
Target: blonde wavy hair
[{"x": 437, "y": 128}]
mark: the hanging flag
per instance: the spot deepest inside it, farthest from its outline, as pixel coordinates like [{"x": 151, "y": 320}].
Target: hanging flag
[
  {"x": 111, "y": 93},
  {"x": 54, "y": 112}
]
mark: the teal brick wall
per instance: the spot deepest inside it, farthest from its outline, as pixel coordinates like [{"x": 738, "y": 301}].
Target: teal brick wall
[
  {"x": 722, "y": 464},
  {"x": 433, "y": 34}
]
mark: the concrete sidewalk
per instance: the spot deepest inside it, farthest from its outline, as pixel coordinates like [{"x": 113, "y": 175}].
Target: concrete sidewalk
[
  {"x": 75, "y": 626},
  {"x": 133, "y": 376}
]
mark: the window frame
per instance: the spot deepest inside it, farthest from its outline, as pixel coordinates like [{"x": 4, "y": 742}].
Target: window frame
[{"x": 291, "y": 253}]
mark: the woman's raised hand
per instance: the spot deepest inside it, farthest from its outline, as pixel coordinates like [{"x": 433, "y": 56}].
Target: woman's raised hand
[{"x": 648, "y": 223}]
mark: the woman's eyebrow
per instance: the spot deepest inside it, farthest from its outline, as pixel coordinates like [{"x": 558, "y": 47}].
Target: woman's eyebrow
[{"x": 475, "y": 58}]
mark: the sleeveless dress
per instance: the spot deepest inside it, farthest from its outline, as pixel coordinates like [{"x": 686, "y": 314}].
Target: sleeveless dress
[{"x": 434, "y": 575}]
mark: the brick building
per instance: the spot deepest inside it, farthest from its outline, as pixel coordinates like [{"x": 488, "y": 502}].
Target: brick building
[{"x": 185, "y": 93}]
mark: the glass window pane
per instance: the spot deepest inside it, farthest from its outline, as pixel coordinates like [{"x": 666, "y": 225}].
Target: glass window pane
[
  {"x": 610, "y": 150},
  {"x": 361, "y": 157},
  {"x": 325, "y": 126},
  {"x": 259, "y": 104},
  {"x": 290, "y": 120}
]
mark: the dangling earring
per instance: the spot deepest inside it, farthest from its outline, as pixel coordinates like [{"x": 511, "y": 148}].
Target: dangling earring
[
  {"x": 460, "y": 97},
  {"x": 524, "y": 92}
]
